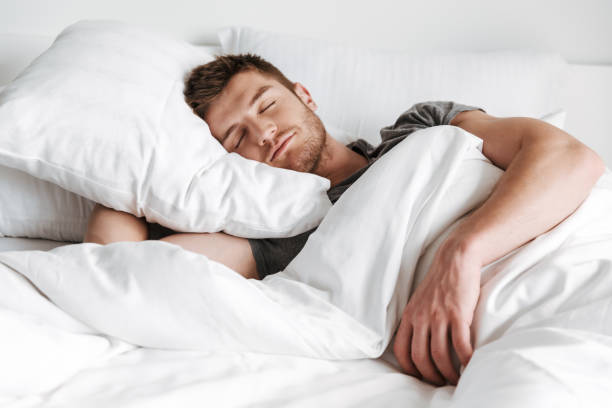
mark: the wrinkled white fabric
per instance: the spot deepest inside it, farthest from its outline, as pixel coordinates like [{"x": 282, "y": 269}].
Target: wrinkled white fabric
[{"x": 543, "y": 316}]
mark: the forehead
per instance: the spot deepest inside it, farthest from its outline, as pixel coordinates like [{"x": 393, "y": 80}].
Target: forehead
[{"x": 234, "y": 99}]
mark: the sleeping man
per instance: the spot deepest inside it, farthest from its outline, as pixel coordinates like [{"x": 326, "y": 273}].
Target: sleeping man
[{"x": 254, "y": 110}]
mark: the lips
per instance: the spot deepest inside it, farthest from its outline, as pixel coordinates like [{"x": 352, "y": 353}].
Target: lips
[{"x": 281, "y": 146}]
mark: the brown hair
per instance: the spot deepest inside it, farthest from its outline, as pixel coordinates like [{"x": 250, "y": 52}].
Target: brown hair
[{"x": 207, "y": 81}]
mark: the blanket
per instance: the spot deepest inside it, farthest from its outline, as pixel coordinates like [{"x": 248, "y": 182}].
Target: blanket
[{"x": 543, "y": 317}]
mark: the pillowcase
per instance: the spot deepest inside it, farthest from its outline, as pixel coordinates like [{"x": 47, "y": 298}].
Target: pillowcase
[
  {"x": 360, "y": 90},
  {"x": 101, "y": 113},
  {"x": 34, "y": 208}
]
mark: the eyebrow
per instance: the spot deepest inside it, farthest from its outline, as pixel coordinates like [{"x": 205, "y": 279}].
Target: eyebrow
[{"x": 254, "y": 99}]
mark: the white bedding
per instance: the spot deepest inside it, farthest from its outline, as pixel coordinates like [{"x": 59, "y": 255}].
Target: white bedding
[
  {"x": 321, "y": 328},
  {"x": 22, "y": 244}
]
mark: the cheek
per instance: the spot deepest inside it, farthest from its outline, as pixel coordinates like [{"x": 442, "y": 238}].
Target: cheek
[{"x": 253, "y": 152}]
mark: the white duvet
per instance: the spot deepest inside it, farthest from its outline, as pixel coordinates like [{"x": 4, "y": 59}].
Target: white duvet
[{"x": 150, "y": 324}]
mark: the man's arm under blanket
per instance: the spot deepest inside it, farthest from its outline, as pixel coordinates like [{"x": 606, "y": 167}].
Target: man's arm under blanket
[{"x": 548, "y": 174}]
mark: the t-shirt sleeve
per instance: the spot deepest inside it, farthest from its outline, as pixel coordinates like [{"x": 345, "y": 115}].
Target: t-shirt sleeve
[
  {"x": 156, "y": 231},
  {"x": 423, "y": 115},
  {"x": 271, "y": 254},
  {"x": 274, "y": 254}
]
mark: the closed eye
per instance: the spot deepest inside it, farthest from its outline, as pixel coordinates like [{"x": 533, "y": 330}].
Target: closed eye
[
  {"x": 266, "y": 108},
  {"x": 244, "y": 131},
  {"x": 240, "y": 140}
]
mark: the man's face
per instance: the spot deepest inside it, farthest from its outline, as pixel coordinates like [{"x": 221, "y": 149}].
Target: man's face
[{"x": 260, "y": 119}]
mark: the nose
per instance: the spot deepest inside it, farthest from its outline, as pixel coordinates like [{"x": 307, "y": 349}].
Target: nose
[{"x": 265, "y": 132}]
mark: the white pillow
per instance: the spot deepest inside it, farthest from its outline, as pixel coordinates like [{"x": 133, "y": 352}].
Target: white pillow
[
  {"x": 35, "y": 208},
  {"x": 101, "y": 113},
  {"x": 361, "y": 90}
]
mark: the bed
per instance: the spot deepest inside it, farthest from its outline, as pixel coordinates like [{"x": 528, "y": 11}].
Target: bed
[{"x": 118, "y": 373}]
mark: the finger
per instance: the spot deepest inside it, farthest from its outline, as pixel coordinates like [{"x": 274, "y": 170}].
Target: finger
[
  {"x": 440, "y": 352},
  {"x": 421, "y": 357},
  {"x": 401, "y": 348},
  {"x": 461, "y": 341}
]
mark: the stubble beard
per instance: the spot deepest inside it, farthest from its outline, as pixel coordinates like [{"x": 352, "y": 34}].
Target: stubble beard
[{"x": 311, "y": 152}]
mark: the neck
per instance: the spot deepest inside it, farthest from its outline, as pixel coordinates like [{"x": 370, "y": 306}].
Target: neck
[{"x": 338, "y": 161}]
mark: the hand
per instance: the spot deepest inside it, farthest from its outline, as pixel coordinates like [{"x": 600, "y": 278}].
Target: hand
[{"x": 439, "y": 312}]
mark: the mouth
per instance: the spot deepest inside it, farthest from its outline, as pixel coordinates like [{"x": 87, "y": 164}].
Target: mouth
[{"x": 282, "y": 146}]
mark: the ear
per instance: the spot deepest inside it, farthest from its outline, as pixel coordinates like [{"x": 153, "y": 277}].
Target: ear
[{"x": 304, "y": 95}]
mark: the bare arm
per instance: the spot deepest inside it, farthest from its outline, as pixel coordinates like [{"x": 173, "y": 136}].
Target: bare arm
[
  {"x": 234, "y": 252},
  {"x": 107, "y": 225},
  {"x": 548, "y": 175}
]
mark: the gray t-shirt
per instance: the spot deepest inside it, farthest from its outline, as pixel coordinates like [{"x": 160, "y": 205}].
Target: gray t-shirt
[{"x": 274, "y": 254}]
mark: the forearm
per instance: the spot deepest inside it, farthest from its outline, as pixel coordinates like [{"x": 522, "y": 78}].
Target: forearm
[
  {"x": 547, "y": 180},
  {"x": 107, "y": 225}
]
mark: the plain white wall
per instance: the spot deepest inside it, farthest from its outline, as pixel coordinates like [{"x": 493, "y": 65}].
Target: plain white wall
[{"x": 579, "y": 30}]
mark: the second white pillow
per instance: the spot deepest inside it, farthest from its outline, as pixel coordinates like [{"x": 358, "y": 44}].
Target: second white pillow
[{"x": 360, "y": 90}]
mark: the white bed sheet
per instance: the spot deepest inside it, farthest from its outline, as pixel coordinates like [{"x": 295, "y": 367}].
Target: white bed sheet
[
  {"x": 143, "y": 377},
  {"x": 146, "y": 377},
  {"x": 26, "y": 244},
  {"x": 159, "y": 378},
  {"x": 549, "y": 302},
  {"x": 112, "y": 372},
  {"x": 130, "y": 376}
]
